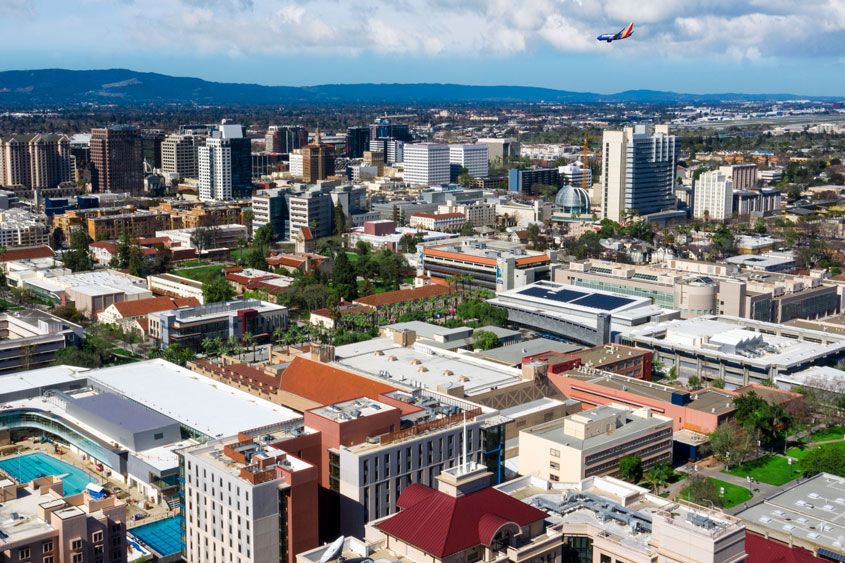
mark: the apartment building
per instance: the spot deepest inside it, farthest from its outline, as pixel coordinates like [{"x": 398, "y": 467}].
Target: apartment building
[
  {"x": 247, "y": 500},
  {"x": 426, "y": 164},
  {"x": 313, "y": 210},
  {"x": 189, "y": 326},
  {"x": 479, "y": 214},
  {"x": 135, "y": 224},
  {"x": 189, "y": 215},
  {"x": 31, "y": 338},
  {"x": 175, "y": 286},
  {"x": 222, "y": 236},
  {"x": 39, "y": 523},
  {"x": 592, "y": 443},
  {"x": 35, "y": 160},
  {"x": 271, "y": 207},
  {"x": 713, "y": 196},
  {"x": 743, "y": 176},
  {"x": 437, "y": 221},
  {"x": 528, "y": 180},
  {"x": 19, "y": 227},
  {"x": 500, "y": 150}
]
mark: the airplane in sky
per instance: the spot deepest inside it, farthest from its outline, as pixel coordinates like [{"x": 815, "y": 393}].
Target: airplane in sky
[{"x": 625, "y": 33}]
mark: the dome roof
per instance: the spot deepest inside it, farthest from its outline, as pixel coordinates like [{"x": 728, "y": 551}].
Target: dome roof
[{"x": 573, "y": 200}]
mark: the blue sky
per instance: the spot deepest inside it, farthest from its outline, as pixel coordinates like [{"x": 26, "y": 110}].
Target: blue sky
[{"x": 682, "y": 45}]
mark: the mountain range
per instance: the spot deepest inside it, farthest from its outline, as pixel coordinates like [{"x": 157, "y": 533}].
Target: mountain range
[{"x": 50, "y": 87}]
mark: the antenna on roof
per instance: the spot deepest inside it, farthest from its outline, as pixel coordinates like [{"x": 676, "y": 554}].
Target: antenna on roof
[{"x": 464, "y": 464}]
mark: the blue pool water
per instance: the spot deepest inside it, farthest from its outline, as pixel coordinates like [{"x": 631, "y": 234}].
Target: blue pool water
[
  {"x": 164, "y": 536},
  {"x": 31, "y": 466}
]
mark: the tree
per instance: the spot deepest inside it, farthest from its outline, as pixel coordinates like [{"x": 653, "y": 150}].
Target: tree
[
  {"x": 465, "y": 179},
  {"x": 362, "y": 248},
  {"x": 760, "y": 226},
  {"x": 659, "y": 474},
  {"x": 770, "y": 420},
  {"x": 533, "y": 232},
  {"x": 694, "y": 382},
  {"x": 79, "y": 258},
  {"x": 241, "y": 245},
  {"x": 72, "y": 356},
  {"x": 467, "y": 229},
  {"x": 201, "y": 238},
  {"x": 123, "y": 251},
  {"x": 344, "y": 279},
  {"x": 825, "y": 460},
  {"x": 137, "y": 266},
  {"x": 217, "y": 289},
  {"x": 631, "y": 468},
  {"x": 339, "y": 219},
  {"x": 702, "y": 489},
  {"x": 69, "y": 312},
  {"x": 486, "y": 340},
  {"x": 263, "y": 239}
]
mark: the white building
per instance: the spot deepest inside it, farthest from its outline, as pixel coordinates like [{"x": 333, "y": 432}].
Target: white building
[
  {"x": 19, "y": 227},
  {"x": 175, "y": 286},
  {"x": 215, "y": 170},
  {"x": 437, "y": 221},
  {"x": 573, "y": 174},
  {"x": 295, "y": 164},
  {"x": 426, "y": 164},
  {"x": 713, "y": 194},
  {"x": 471, "y": 157}
]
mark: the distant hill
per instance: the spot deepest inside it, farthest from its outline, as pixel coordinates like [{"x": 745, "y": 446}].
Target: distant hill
[{"x": 127, "y": 87}]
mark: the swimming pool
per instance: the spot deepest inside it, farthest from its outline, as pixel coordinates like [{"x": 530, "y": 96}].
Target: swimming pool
[
  {"x": 25, "y": 468},
  {"x": 164, "y": 536}
]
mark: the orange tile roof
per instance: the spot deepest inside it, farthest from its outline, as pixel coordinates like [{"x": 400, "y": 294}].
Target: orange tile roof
[
  {"x": 459, "y": 256},
  {"x": 532, "y": 260},
  {"x": 403, "y": 295},
  {"x": 328, "y": 385},
  {"x": 186, "y": 302},
  {"x": 27, "y": 253},
  {"x": 141, "y": 307}
]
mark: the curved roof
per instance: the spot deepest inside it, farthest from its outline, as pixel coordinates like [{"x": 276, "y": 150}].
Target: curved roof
[
  {"x": 572, "y": 197},
  {"x": 489, "y": 525}
]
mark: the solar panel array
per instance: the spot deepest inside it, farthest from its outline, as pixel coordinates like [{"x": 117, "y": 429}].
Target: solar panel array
[{"x": 591, "y": 300}]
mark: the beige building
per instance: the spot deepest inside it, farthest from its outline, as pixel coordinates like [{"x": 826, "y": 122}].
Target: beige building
[
  {"x": 593, "y": 442},
  {"x": 743, "y": 176},
  {"x": 714, "y": 196},
  {"x": 175, "y": 286},
  {"x": 39, "y": 524},
  {"x": 179, "y": 155},
  {"x": 35, "y": 161},
  {"x": 605, "y": 520},
  {"x": 479, "y": 214}
]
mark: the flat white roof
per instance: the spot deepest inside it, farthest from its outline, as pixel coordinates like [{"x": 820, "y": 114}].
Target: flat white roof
[
  {"x": 25, "y": 380},
  {"x": 199, "y": 402}
]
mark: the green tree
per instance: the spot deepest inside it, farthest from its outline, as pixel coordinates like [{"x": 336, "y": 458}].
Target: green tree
[
  {"x": 701, "y": 489},
  {"x": 263, "y": 239},
  {"x": 659, "y": 474},
  {"x": 339, "y": 219},
  {"x": 486, "y": 340},
  {"x": 760, "y": 226},
  {"x": 467, "y": 229},
  {"x": 362, "y": 248},
  {"x": 631, "y": 468},
  {"x": 465, "y": 179},
  {"x": 694, "y": 382},
  {"x": 217, "y": 289},
  {"x": 344, "y": 279},
  {"x": 72, "y": 356},
  {"x": 825, "y": 460},
  {"x": 202, "y": 239},
  {"x": 79, "y": 258},
  {"x": 137, "y": 266},
  {"x": 123, "y": 251}
]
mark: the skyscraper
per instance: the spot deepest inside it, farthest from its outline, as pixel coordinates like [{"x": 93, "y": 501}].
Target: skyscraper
[
  {"x": 357, "y": 141},
  {"x": 179, "y": 155},
  {"x": 638, "y": 171},
  {"x": 317, "y": 161},
  {"x": 426, "y": 164},
  {"x": 713, "y": 195},
  {"x": 116, "y": 159},
  {"x": 471, "y": 157},
  {"x": 384, "y": 128},
  {"x": 35, "y": 161},
  {"x": 285, "y": 138},
  {"x": 151, "y": 148},
  {"x": 224, "y": 164}
]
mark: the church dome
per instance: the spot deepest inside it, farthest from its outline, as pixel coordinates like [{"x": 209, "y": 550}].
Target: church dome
[{"x": 572, "y": 199}]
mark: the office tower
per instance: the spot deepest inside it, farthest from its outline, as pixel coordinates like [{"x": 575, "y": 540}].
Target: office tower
[
  {"x": 312, "y": 209},
  {"x": 471, "y": 157},
  {"x": 271, "y": 206},
  {"x": 713, "y": 196},
  {"x": 151, "y": 149},
  {"x": 426, "y": 164},
  {"x": 638, "y": 171},
  {"x": 392, "y": 149},
  {"x": 214, "y": 163},
  {"x": 35, "y": 161},
  {"x": 295, "y": 164},
  {"x": 744, "y": 176},
  {"x": 573, "y": 174},
  {"x": 383, "y": 128},
  {"x": 527, "y": 180},
  {"x": 116, "y": 159},
  {"x": 285, "y": 138},
  {"x": 357, "y": 141},
  {"x": 500, "y": 150},
  {"x": 317, "y": 161},
  {"x": 179, "y": 155}
]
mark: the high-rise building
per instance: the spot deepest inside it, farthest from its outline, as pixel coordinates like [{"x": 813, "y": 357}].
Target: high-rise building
[
  {"x": 393, "y": 150},
  {"x": 312, "y": 210},
  {"x": 744, "y": 176},
  {"x": 271, "y": 206},
  {"x": 638, "y": 171},
  {"x": 528, "y": 180},
  {"x": 317, "y": 161},
  {"x": 35, "y": 161},
  {"x": 117, "y": 161},
  {"x": 713, "y": 196},
  {"x": 285, "y": 138},
  {"x": 383, "y": 128},
  {"x": 357, "y": 141},
  {"x": 573, "y": 174},
  {"x": 500, "y": 150},
  {"x": 426, "y": 164},
  {"x": 151, "y": 148},
  {"x": 179, "y": 155},
  {"x": 471, "y": 157},
  {"x": 224, "y": 164}
]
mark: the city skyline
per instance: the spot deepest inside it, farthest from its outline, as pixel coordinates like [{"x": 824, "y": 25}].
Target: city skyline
[{"x": 695, "y": 47}]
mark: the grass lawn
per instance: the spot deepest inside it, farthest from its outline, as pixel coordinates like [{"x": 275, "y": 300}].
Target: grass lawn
[
  {"x": 800, "y": 453},
  {"x": 125, "y": 352},
  {"x": 10, "y": 306},
  {"x": 832, "y": 433},
  {"x": 191, "y": 263},
  {"x": 771, "y": 469},
  {"x": 734, "y": 494},
  {"x": 200, "y": 273},
  {"x": 352, "y": 257}
]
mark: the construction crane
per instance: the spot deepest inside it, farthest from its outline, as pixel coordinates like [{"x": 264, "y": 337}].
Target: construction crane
[{"x": 585, "y": 160}]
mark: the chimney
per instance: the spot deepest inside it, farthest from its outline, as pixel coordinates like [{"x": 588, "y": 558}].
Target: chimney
[
  {"x": 405, "y": 337},
  {"x": 323, "y": 353}
]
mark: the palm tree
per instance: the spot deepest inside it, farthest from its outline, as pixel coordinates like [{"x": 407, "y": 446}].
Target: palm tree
[
  {"x": 278, "y": 334},
  {"x": 208, "y": 345}
]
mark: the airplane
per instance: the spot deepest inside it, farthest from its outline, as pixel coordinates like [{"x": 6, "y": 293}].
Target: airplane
[{"x": 625, "y": 33}]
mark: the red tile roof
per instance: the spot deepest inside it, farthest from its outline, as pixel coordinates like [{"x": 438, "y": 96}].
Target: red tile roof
[
  {"x": 245, "y": 375},
  {"x": 442, "y": 525},
  {"x": 27, "y": 253},
  {"x": 109, "y": 246},
  {"x": 761, "y": 550},
  {"x": 403, "y": 295},
  {"x": 141, "y": 307},
  {"x": 186, "y": 302},
  {"x": 306, "y": 233},
  {"x": 328, "y": 385}
]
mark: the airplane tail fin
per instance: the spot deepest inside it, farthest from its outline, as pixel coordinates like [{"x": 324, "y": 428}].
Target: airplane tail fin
[{"x": 627, "y": 32}]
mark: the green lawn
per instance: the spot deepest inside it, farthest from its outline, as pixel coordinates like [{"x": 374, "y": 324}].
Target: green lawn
[
  {"x": 125, "y": 352},
  {"x": 800, "y": 453},
  {"x": 353, "y": 257},
  {"x": 734, "y": 494},
  {"x": 771, "y": 469},
  {"x": 191, "y": 263},
  {"x": 10, "y": 306},
  {"x": 200, "y": 273},
  {"x": 832, "y": 433}
]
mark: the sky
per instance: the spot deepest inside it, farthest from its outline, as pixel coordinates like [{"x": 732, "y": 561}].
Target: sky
[{"x": 695, "y": 46}]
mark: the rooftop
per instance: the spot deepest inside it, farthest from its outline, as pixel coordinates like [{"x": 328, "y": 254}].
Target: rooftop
[
  {"x": 349, "y": 410},
  {"x": 403, "y": 295},
  {"x": 326, "y": 384},
  {"x": 514, "y": 353}
]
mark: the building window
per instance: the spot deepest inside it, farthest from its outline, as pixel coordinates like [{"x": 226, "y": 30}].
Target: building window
[
  {"x": 554, "y": 453},
  {"x": 554, "y": 478},
  {"x": 47, "y": 547},
  {"x": 47, "y": 559},
  {"x": 77, "y": 558},
  {"x": 76, "y": 544},
  {"x": 97, "y": 537},
  {"x": 116, "y": 555},
  {"x": 23, "y": 553},
  {"x": 158, "y": 436},
  {"x": 554, "y": 465}
]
